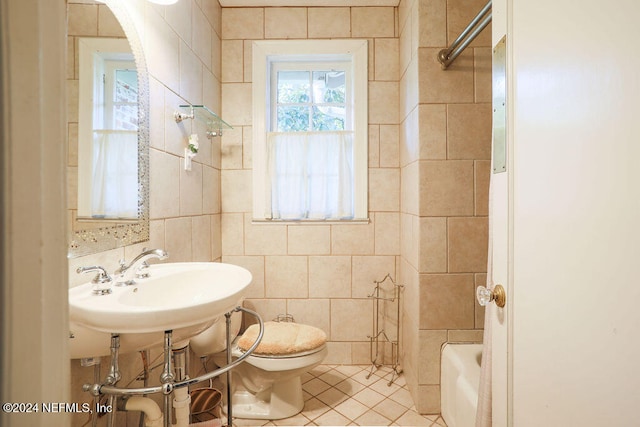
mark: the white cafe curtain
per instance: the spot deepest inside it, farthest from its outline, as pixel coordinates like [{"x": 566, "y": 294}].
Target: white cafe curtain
[{"x": 311, "y": 175}]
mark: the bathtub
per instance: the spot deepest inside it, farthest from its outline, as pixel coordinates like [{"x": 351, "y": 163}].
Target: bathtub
[{"x": 459, "y": 383}]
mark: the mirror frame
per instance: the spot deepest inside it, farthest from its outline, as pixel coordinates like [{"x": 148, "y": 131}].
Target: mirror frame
[{"x": 93, "y": 240}]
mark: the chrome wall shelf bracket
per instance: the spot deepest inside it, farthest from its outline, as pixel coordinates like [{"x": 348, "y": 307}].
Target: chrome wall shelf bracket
[{"x": 215, "y": 125}]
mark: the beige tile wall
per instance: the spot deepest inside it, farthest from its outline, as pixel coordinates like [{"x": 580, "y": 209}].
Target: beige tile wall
[
  {"x": 321, "y": 274},
  {"x": 445, "y": 157},
  {"x": 182, "y": 49}
]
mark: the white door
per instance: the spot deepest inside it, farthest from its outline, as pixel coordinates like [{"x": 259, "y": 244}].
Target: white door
[{"x": 567, "y": 216}]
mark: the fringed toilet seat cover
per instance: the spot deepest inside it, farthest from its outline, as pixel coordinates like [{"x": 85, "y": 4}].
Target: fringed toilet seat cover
[{"x": 282, "y": 338}]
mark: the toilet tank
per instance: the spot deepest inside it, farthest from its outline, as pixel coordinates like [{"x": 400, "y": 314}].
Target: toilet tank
[{"x": 214, "y": 339}]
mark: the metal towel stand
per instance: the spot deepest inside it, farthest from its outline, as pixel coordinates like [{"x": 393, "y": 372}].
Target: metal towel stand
[{"x": 379, "y": 336}]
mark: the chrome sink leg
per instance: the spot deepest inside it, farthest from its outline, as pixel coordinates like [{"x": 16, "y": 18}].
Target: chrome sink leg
[
  {"x": 113, "y": 377},
  {"x": 229, "y": 403},
  {"x": 167, "y": 379}
]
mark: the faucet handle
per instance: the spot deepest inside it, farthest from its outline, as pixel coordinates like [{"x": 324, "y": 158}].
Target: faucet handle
[{"x": 102, "y": 280}]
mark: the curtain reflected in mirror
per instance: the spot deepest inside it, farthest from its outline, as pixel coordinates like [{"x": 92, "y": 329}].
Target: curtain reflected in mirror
[{"x": 108, "y": 128}]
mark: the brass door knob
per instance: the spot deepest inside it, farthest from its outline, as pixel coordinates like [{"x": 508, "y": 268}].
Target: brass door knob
[{"x": 485, "y": 296}]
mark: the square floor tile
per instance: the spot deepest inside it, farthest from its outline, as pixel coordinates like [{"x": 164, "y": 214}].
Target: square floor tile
[
  {"x": 369, "y": 397},
  {"x": 371, "y": 418},
  {"x": 315, "y": 386},
  {"x": 332, "y": 418},
  {"x": 351, "y": 409},
  {"x": 332, "y": 397}
]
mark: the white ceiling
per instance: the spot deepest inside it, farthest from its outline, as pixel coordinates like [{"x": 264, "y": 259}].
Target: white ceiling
[{"x": 304, "y": 3}]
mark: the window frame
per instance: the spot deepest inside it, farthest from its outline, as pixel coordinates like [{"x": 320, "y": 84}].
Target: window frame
[{"x": 266, "y": 52}]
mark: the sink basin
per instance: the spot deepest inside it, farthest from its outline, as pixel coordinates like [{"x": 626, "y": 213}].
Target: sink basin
[{"x": 185, "y": 297}]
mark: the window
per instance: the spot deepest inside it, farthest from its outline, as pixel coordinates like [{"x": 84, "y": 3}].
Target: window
[{"x": 310, "y": 130}]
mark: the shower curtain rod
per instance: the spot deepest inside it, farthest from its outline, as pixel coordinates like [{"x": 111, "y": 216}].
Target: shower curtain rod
[{"x": 475, "y": 27}]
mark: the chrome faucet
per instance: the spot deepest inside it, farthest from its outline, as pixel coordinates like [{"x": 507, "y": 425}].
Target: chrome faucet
[
  {"x": 138, "y": 267},
  {"x": 102, "y": 281}
]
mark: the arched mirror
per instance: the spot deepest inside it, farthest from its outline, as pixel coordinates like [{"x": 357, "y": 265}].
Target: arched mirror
[{"x": 108, "y": 125}]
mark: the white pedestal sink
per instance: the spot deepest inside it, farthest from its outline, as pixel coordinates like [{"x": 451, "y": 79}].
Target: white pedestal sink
[{"x": 185, "y": 298}]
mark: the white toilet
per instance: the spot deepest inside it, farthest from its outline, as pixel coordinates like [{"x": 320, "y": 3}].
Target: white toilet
[{"x": 267, "y": 385}]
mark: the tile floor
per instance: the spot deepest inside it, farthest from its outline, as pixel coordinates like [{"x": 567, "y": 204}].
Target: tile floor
[{"x": 341, "y": 395}]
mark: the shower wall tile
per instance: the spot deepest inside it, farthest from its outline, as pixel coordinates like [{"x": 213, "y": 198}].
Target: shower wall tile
[
  {"x": 329, "y": 22},
  {"x": 353, "y": 239},
  {"x": 82, "y": 20},
  {"x": 231, "y": 149},
  {"x": 165, "y": 175},
  {"x": 467, "y": 244},
  {"x": 410, "y": 197},
  {"x": 367, "y": 269},
  {"x": 232, "y": 231},
  {"x": 482, "y": 176},
  {"x": 314, "y": 312},
  {"x": 438, "y": 86},
  {"x": 216, "y": 237},
  {"x": 387, "y": 233},
  {"x": 461, "y": 335},
  {"x": 216, "y": 57},
  {"x": 389, "y": 146},
  {"x": 233, "y": 66},
  {"x": 108, "y": 26},
  {"x": 248, "y": 60},
  {"x": 482, "y": 73},
  {"x": 433, "y": 131},
  {"x": 286, "y": 277},
  {"x": 236, "y": 190},
  {"x": 330, "y": 277},
  {"x": 176, "y": 135},
  {"x": 383, "y": 102},
  {"x": 374, "y": 146},
  {"x": 242, "y": 23},
  {"x": 309, "y": 239},
  {"x": 191, "y": 195},
  {"x": 384, "y": 189},
  {"x": 178, "y": 16},
  {"x": 178, "y": 234},
  {"x": 459, "y": 14},
  {"x": 162, "y": 50},
  {"x": 339, "y": 353},
  {"x": 372, "y": 22},
  {"x": 237, "y": 103},
  {"x": 201, "y": 37},
  {"x": 211, "y": 91},
  {"x": 430, "y": 343},
  {"x": 264, "y": 239},
  {"x": 201, "y": 238},
  {"x": 410, "y": 143},
  {"x": 469, "y": 131},
  {"x": 427, "y": 399},
  {"x": 386, "y": 59},
  {"x": 351, "y": 319},
  {"x": 446, "y": 188},
  {"x": 268, "y": 309},
  {"x": 295, "y": 18},
  {"x": 433, "y": 23},
  {"x": 433, "y": 245},
  {"x": 210, "y": 190},
  {"x": 447, "y": 301},
  {"x": 255, "y": 265}
]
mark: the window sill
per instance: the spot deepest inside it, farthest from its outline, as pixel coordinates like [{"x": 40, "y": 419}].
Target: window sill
[{"x": 361, "y": 221}]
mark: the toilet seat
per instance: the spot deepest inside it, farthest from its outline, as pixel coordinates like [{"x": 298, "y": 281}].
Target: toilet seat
[{"x": 283, "y": 339}]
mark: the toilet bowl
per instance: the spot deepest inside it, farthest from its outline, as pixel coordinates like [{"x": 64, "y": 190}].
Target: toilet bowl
[{"x": 268, "y": 384}]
